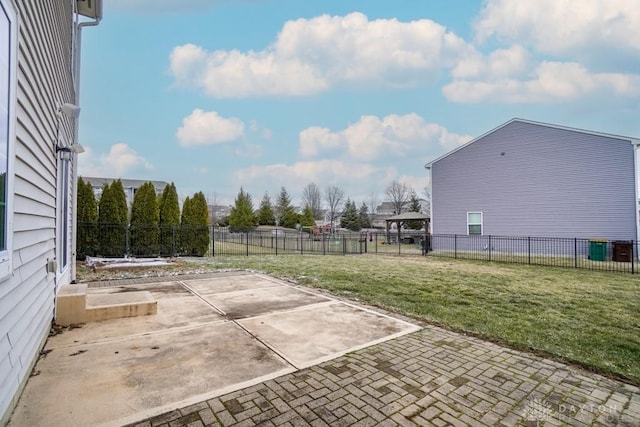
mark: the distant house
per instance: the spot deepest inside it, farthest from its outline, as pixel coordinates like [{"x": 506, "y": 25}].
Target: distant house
[
  {"x": 527, "y": 178},
  {"x": 130, "y": 186},
  {"x": 39, "y": 83},
  {"x": 217, "y": 212}
]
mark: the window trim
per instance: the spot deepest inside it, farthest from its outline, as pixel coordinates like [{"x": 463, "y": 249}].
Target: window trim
[
  {"x": 6, "y": 262},
  {"x": 481, "y": 223}
]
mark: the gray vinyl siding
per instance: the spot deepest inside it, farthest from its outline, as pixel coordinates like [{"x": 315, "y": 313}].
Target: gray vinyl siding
[
  {"x": 549, "y": 182},
  {"x": 27, "y": 296}
]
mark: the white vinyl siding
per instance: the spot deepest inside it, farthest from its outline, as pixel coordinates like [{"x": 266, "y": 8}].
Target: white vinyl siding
[
  {"x": 474, "y": 223},
  {"x": 42, "y": 45},
  {"x": 532, "y": 179}
]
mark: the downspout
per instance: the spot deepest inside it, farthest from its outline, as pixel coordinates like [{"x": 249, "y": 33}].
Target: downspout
[
  {"x": 636, "y": 176},
  {"x": 429, "y": 185},
  {"x": 77, "y": 47}
]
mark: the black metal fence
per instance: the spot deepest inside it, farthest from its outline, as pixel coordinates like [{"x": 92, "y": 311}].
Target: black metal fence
[
  {"x": 179, "y": 240},
  {"x": 591, "y": 254}
]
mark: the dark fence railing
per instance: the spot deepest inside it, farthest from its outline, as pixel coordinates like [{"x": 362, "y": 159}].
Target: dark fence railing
[{"x": 180, "y": 240}]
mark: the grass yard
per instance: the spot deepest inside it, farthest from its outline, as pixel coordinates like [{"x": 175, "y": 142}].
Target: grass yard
[{"x": 586, "y": 317}]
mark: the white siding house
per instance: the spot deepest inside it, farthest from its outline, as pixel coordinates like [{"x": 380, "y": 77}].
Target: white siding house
[
  {"x": 527, "y": 178},
  {"x": 38, "y": 94}
]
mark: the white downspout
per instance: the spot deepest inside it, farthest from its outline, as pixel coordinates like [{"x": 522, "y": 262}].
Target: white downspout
[
  {"x": 636, "y": 176},
  {"x": 77, "y": 46},
  {"x": 430, "y": 187}
]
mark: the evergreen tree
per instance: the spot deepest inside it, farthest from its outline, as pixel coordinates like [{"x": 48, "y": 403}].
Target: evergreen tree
[
  {"x": 86, "y": 216},
  {"x": 145, "y": 217},
  {"x": 241, "y": 217},
  {"x": 363, "y": 214},
  {"x": 121, "y": 199},
  {"x": 285, "y": 214},
  {"x": 112, "y": 228},
  {"x": 307, "y": 219},
  {"x": 414, "y": 206},
  {"x": 169, "y": 219},
  {"x": 194, "y": 228},
  {"x": 350, "y": 218},
  {"x": 265, "y": 214}
]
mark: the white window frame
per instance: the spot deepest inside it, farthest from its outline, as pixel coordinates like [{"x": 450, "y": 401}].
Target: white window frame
[
  {"x": 8, "y": 9},
  {"x": 469, "y": 224}
]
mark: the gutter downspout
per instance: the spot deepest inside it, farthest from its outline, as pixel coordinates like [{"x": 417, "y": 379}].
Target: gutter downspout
[
  {"x": 77, "y": 47},
  {"x": 430, "y": 186},
  {"x": 636, "y": 176}
]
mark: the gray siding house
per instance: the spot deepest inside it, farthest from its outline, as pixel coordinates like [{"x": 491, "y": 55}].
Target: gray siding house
[
  {"x": 534, "y": 179},
  {"x": 39, "y": 53}
]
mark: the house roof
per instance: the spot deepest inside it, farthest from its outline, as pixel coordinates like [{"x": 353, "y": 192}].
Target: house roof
[
  {"x": 635, "y": 141},
  {"x": 126, "y": 183},
  {"x": 408, "y": 216}
]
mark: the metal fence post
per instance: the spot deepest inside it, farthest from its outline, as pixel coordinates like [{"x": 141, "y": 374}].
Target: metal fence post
[
  {"x": 213, "y": 240},
  {"x": 455, "y": 246},
  {"x": 126, "y": 240},
  {"x": 529, "y": 249},
  {"x": 489, "y": 248},
  {"x": 575, "y": 252}
]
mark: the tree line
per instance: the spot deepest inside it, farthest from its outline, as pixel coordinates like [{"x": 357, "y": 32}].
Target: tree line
[
  {"x": 153, "y": 225},
  {"x": 281, "y": 213}
]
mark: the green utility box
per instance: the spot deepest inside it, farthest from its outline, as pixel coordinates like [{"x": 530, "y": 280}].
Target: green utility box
[{"x": 597, "y": 250}]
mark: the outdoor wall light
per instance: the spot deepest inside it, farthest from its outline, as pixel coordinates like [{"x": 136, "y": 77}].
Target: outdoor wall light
[
  {"x": 65, "y": 152},
  {"x": 70, "y": 110}
]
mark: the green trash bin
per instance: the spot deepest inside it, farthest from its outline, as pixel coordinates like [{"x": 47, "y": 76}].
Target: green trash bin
[{"x": 597, "y": 250}]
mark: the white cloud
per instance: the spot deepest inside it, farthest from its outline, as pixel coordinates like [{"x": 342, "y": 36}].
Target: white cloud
[
  {"x": 208, "y": 127},
  {"x": 563, "y": 26},
  {"x": 499, "y": 63},
  {"x": 549, "y": 82},
  {"x": 372, "y": 138},
  {"x": 352, "y": 177},
  {"x": 314, "y": 55},
  {"x": 120, "y": 161}
]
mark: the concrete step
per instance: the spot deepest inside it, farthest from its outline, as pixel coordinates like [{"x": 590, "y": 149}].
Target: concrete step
[{"x": 74, "y": 305}]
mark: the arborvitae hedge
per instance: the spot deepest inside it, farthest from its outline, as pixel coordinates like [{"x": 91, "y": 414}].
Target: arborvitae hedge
[
  {"x": 169, "y": 220},
  {"x": 86, "y": 216},
  {"x": 112, "y": 232},
  {"x": 194, "y": 227},
  {"x": 144, "y": 222}
]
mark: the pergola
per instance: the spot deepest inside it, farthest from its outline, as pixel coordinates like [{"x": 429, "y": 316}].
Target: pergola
[{"x": 408, "y": 216}]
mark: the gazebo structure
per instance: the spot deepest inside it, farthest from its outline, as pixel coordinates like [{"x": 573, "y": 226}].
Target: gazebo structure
[{"x": 410, "y": 216}]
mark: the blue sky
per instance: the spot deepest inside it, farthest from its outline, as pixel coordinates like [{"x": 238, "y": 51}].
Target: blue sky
[{"x": 214, "y": 95}]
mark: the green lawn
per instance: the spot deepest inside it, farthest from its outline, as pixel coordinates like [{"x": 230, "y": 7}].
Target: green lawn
[{"x": 586, "y": 317}]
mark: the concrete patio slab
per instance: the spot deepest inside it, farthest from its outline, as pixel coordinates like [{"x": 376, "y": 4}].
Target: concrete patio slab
[
  {"x": 177, "y": 308},
  {"x": 96, "y": 383},
  {"x": 314, "y": 334},
  {"x": 260, "y": 300},
  {"x": 209, "y": 337}
]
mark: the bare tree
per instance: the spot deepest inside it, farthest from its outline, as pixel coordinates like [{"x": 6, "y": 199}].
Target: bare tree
[
  {"x": 372, "y": 204},
  {"x": 334, "y": 197},
  {"x": 399, "y": 194},
  {"x": 426, "y": 192},
  {"x": 312, "y": 197}
]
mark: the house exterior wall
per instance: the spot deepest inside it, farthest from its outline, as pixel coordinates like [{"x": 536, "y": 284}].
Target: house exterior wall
[
  {"x": 532, "y": 179},
  {"x": 42, "y": 81}
]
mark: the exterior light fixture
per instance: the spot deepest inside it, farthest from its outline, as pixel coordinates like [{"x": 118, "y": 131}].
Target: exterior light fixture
[{"x": 70, "y": 110}]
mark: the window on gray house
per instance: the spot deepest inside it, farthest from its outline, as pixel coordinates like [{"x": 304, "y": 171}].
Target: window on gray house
[{"x": 474, "y": 223}]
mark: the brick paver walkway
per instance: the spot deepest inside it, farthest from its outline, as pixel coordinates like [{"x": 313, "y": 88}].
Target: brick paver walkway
[{"x": 431, "y": 377}]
